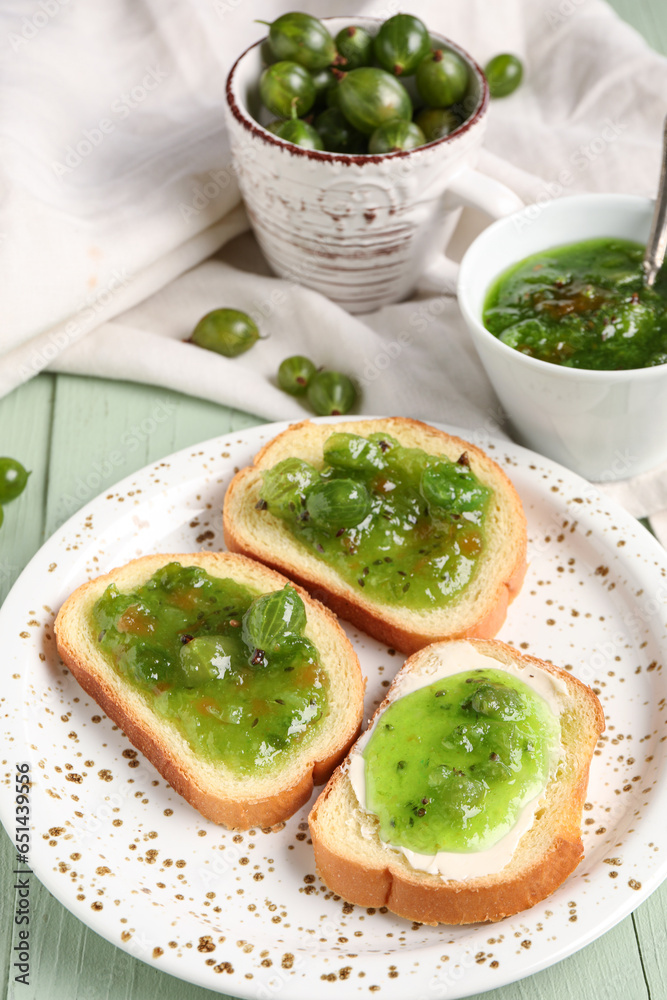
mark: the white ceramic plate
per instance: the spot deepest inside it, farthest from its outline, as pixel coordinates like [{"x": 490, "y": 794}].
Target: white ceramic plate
[{"x": 245, "y": 913}]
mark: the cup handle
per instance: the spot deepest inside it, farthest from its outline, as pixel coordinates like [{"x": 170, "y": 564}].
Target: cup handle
[{"x": 476, "y": 190}]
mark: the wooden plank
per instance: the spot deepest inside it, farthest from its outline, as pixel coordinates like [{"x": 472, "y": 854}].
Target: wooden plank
[
  {"x": 650, "y": 920},
  {"x": 25, "y": 423},
  {"x": 649, "y": 18},
  {"x": 80, "y": 436},
  {"x": 104, "y": 431},
  {"x": 71, "y": 962},
  {"x": 608, "y": 969}
]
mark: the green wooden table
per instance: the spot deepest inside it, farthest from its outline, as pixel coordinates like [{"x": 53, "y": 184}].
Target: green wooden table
[{"x": 61, "y": 427}]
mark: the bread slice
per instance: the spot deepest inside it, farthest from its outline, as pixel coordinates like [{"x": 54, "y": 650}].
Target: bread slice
[
  {"x": 217, "y": 792},
  {"x": 479, "y": 612},
  {"x": 353, "y": 862}
]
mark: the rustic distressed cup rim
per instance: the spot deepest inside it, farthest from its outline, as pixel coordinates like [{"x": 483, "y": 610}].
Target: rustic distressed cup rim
[{"x": 245, "y": 119}]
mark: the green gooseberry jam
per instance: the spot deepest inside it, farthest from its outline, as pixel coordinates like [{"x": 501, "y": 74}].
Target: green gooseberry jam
[
  {"x": 230, "y": 669},
  {"x": 399, "y": 525},
  {"x": 450, "y": 766},
  {"x": 583, "y": 305}
]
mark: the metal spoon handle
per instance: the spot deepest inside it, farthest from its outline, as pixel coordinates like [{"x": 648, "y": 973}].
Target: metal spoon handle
[{"x": 657, "y": 240}]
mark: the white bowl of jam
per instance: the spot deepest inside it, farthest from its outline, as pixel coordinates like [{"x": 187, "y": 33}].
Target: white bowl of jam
[{"x": 573, "y": 343}]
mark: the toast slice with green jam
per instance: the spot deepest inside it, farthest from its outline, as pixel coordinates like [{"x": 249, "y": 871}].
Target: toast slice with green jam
[
  {"x": 240, "y": 688},
  {"x": 462, "y": 801},
  {"x": 411, "y": 534}
]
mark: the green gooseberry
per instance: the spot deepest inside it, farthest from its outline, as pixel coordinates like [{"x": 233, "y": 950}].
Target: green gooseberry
[
  {"x": 284, "y": 486},
  {"x": 331, "y": 393},
  {"x": 324, "y": 80},
  {"x": 300, "y": 133},
  {"x": 338, "y": 503},
  {"x": 394, "y": 136},
  {"x": 436, "y": 123},
  {"x": 504, "y": 74},
  {"x": 271, "y": 617},
  {"x": 498, "y": 702},
  {"x": 287, "y": 89},
  {"x": 355, "y": 45},
  {"x": 337, "y": 134},
  {"x": 353, "y": 452},
  {"x": 369, "y": 97},
  {"x": 302, "y": 39},
  {"x": 294, "y": 374},
  {"x": 333, "y": 96},
  {"x": 204, "y": 658},
  {"x": 296, "y": 649},
  {"x": 401, "y": 44},
  {"x": 452, "y": 488},
  {"x": 442, "y": 78},
  {"x": 229, "y": 332},
  {"x": 151, "y": 665},
  {"x": 13, "y": 479}
]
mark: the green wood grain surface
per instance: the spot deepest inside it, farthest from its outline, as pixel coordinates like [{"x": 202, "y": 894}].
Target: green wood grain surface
[{"x": 68, "y": 431}]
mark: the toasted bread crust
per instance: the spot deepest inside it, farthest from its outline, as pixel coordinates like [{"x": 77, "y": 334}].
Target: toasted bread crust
[
  {"x": 530, "y": 877},
  {"x": 260, "y": 535},
  {"x": 236, "y": 804}
]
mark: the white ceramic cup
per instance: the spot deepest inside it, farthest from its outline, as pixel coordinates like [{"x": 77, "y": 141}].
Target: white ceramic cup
[
  {"x": 605, "y": 425},
  {"x": 361, "y": 230}
]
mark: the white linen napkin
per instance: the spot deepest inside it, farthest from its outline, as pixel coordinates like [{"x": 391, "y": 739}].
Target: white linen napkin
[{"x": 115, "y": 185}]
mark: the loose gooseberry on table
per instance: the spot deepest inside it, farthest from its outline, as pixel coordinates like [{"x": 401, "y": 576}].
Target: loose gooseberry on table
[
  {"x": 504, "y": 74},
  {"x": 229, "y": 332},
  {"x": 331, "y": 393},
  {"x": 13, "y": 481},
  {"x": 294, "y": 374}
]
